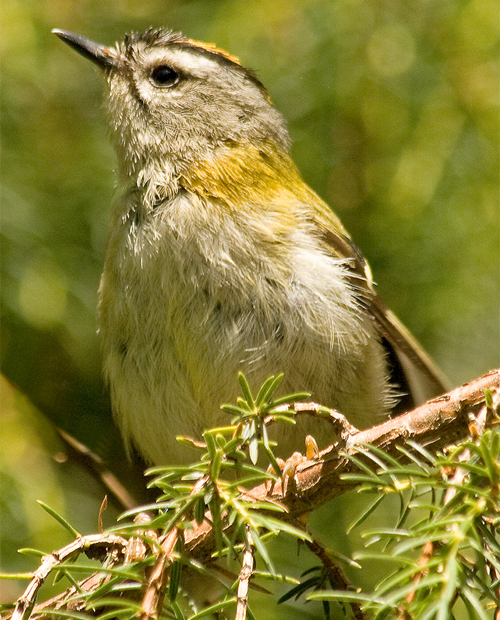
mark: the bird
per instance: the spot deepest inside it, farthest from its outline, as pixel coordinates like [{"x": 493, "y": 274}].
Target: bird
[{"x": 221, "y": 259}]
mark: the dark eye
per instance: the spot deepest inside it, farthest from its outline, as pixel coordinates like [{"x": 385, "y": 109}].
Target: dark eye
[{"x": 164, "y": 76}]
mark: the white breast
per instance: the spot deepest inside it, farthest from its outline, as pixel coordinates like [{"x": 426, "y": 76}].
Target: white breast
[{"x": 182, "y": 310}]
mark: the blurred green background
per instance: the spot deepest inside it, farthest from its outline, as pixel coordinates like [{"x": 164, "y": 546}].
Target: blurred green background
[{"x": 393, "y": 112}]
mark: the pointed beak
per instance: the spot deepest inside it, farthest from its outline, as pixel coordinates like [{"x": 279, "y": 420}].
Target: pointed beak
[{"x": 99, "y": 54}]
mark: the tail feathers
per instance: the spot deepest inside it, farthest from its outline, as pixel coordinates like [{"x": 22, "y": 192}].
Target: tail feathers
[{"x": 412, "y": 369}]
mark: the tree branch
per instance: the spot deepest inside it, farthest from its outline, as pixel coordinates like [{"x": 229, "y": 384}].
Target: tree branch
[
  {"x": 94, "y": 546},
  {"x": 244, "y": 579},
  {"x": 436, "y": 424}
]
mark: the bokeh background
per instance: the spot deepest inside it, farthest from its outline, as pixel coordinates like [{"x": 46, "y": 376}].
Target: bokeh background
[{"x": 393, "y": 111}]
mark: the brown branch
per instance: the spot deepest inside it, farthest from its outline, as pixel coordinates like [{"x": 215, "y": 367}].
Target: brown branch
[
  {"x": 80, "y": 453},
  {"x": 152, "y": 601},
  {"x": 423, "y": 560},
  {"x": 435, "y": 425},
  {"x": 335, "y": 575},
  {"x": 244, "y": 579},
  {"x": 94, "y": 546}
]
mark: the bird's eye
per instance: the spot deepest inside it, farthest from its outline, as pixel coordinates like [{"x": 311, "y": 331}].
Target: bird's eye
[{"x": 164, "y": 76}]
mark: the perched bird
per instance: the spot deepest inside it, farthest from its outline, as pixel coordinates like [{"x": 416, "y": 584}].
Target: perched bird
[{"x": 220, "y": 258}]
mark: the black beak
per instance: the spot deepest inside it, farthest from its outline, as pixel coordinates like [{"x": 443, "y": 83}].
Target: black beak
[{"x": 101, "y": 55}]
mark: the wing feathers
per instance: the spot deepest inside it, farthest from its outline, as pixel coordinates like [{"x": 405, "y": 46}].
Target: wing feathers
[{"x": 411, "y": 367}]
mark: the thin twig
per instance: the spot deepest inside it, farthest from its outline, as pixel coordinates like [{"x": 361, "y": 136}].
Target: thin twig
[
  {"x": 335, "y": 575},
  {"x": 81, "y": 454},
  {"x": 485, "y": 414},
  {"x": 244, "y": 578},
  {"x": 152, "y": 601},
  {"x": 424, "y": 559},
  {"x": 95, "y": 545},
  {"x": 477, "y": 425}
]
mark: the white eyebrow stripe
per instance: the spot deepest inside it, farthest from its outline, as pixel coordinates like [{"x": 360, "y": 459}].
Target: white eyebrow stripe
[{"x": 194, "y": 63}]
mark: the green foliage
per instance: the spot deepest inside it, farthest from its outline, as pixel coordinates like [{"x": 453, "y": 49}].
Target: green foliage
[
  {"x": 253, "y": 415},
  {"x": 440, "y": 555},
  {"x": 445, "y": 543}
]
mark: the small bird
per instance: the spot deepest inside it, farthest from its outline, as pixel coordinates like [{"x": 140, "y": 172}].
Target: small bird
[{"x": 220, "y": 258}]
